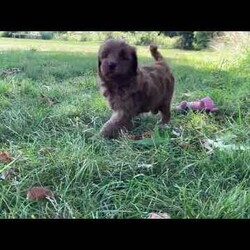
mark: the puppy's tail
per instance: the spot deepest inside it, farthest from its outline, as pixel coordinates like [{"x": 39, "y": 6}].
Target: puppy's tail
[{"x": 155, "y": 53}]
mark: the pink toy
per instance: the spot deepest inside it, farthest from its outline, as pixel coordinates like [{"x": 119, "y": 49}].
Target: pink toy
[{"x": 205, "y": 104}]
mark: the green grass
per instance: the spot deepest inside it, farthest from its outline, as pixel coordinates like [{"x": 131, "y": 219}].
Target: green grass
[{"x": 96, "y": 178}]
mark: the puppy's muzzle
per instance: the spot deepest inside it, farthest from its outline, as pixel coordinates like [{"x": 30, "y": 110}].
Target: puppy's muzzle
[{"x": 112, "y": 66}]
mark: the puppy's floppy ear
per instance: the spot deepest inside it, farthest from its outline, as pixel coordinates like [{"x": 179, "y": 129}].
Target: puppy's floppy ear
[
  {"x": 134, "y": 60},
  {"x": 99, "y": 59},
  {"x": 99, "y": 65}
]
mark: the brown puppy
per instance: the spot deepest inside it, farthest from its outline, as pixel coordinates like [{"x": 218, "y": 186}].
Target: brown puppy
[{"x": 131, "y": 90}]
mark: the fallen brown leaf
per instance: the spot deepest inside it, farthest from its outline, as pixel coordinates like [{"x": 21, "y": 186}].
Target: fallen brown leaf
[
  {"x": 4, "y": 156},
  {"x": 159, "y": 216},
  {"x": 38, "y": 193},
  {"x": 185, "y": 145},
  {"x": 11, "y": 71},
  {"x": 147, "y": 135},
  {"x": 132, "y": 137},
  {"x": 138, "y": 137}
]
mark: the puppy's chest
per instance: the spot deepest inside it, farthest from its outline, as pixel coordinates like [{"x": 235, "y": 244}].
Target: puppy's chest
[{"x": 124, "y": 100}]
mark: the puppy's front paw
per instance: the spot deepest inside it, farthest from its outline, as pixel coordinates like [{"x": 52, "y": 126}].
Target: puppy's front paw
[{"x": 108, "y": 131}]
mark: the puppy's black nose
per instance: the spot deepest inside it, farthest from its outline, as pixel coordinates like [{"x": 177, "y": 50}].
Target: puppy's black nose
[{"x": 112, "y": 65}]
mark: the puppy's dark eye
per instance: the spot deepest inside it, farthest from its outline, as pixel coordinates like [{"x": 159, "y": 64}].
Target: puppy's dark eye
[
  {"x": 123, "y": 55},
  {"x": 105, "y": 54}
]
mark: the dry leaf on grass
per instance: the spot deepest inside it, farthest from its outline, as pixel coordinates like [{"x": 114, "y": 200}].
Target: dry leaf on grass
[
  {"x": 147, "y": 135},
  {"x": 11, "y": 71},
  {"x": 38, "y": 193},
  {"x": 4, "y": 157},
  {"x": 159, "y": 216},
  {"x": 138, "y": 137},
  {"x": 50, "y": 102},
  {"x": 185, "y": 145},
  {"x": 207, "y": 146},
  {"x": 47, "y": 150},
  {"x": 46, "y": 86},
  {"x": 176, "y": 133},
  {"x": 8, "y": 174},
  {"x": 47, "y": 99},
  {"x": 131, "y": 137},
  {"x": 221, "y": 145}
]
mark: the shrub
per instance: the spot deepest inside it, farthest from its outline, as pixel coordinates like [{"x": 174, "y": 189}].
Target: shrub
[
  {"x": 235, "y": 40},
  {"x": 185, "y": 41},
  {"x": 133, "y": 37},
  {"x": 7, "y": 33},
  {"x": 202, "y": 39},
  {"x": 145, "y": 38},
  {"x": 47, "y": 35}
]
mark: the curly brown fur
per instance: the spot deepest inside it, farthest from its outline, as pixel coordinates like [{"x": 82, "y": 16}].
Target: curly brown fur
[{"x": 131, "y": 90}]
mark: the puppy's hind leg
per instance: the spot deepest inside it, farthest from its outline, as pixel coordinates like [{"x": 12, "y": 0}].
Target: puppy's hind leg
[
  {"x": 166, "y": 105},
  {"x": 165, "y": 114}
]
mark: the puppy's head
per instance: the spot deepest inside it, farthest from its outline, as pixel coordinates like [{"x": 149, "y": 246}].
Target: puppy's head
[{"x": 117, "y": 60}]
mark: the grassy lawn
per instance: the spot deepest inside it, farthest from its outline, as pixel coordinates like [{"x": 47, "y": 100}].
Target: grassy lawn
[{"x": 51, "y": 113}]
